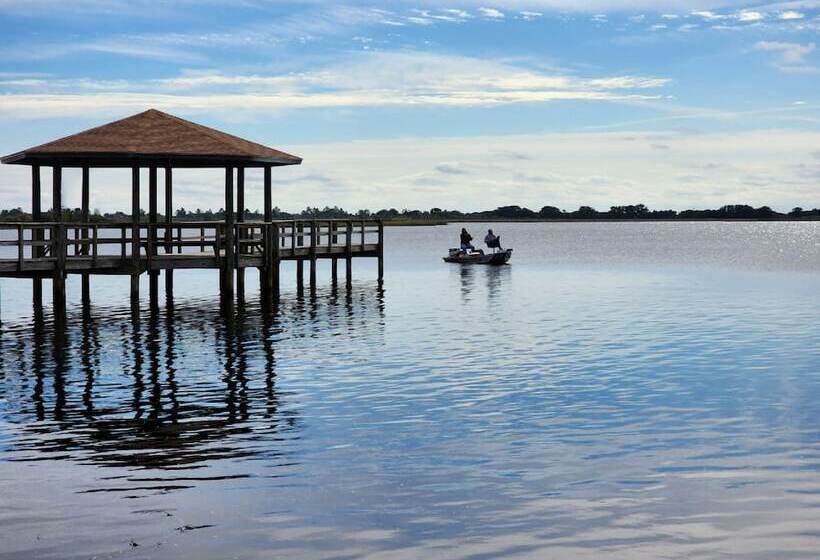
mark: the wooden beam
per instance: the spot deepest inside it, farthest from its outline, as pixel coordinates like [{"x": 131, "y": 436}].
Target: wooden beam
[
  {"x": 85, "y": 218},
  {"x": 240, "y": 217},
  {"x": 228, "y": 283},
  {"x": 135, "y": 233},
  {"x": 153, "y": 275},
  {"x": 381, "y": 251},
  {"x": 152, "y": 210},
  {"x": 86, "y": 215},
  {"x": 169, "y": 205},
  {"x": 240, "y": 194},
  {"x": 169, "y": 219},
  {"x": 58, "y": 281},
  {"x": 57, "y": 194},
  {"x": 36, "y": 198},
  {"x": 268, "y": 212},
  {"x": 37, "y": 235}
]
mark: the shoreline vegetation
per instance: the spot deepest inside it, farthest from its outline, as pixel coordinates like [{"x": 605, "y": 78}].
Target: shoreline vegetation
[{"x": 438, "y": 216}]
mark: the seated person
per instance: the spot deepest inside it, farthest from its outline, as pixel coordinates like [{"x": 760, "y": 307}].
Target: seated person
[
  {"x": 493, "y": 241},
  {"x": 466, "y": 240}
]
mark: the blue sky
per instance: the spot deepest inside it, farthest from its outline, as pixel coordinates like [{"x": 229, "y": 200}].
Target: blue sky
[{"x": 464, "y": 104}]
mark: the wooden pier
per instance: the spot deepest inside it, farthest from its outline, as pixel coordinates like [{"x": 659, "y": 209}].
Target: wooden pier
[{"x": 160, "y": 142}]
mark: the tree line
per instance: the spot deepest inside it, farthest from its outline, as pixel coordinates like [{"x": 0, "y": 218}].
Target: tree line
[{"x": 626, "y": 212}]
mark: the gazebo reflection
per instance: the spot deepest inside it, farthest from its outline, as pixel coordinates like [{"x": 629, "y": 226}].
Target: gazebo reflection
[{"x": 180, "y": 388}]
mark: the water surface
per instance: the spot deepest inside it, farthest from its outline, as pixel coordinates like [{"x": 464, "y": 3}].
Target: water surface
[{"x": 626, "y": 390}]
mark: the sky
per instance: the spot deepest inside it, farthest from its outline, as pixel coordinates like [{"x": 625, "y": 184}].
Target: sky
[{"x": 465, "y": 104}]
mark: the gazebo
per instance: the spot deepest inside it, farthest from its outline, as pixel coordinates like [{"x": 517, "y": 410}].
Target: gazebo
[{"x": 156, "y": 140}]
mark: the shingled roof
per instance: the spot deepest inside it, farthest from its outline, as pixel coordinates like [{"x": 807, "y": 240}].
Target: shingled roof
[{"x": 152, "y": 138}]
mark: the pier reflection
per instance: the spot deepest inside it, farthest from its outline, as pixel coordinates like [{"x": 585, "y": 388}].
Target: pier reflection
[{"x": 182, "y": 386}]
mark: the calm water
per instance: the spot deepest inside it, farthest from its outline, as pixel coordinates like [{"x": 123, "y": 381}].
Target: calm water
[{"x": 619, "y": 391}]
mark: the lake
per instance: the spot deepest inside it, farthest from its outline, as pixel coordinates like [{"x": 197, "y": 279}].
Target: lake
[{"x": 620, "y": 390}]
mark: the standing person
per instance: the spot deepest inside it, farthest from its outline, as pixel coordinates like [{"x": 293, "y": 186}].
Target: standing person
[
  {"x": 493, "y": 241},
  {"x": 466, "y": 240}
]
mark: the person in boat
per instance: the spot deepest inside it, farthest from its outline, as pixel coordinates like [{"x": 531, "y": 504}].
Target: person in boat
[
  {"x": 466, "y": 241},
  {"x": 492, "y": 240}
]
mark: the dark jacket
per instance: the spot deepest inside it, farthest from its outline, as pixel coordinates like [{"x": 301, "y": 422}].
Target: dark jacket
[{"x": 466, "y": 238}]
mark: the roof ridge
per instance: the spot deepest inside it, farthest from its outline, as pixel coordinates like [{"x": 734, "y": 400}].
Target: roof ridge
[{"x": 212, "y": 132}]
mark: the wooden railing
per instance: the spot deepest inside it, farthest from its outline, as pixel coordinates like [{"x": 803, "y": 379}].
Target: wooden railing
[{"x": 35, "y": 243}]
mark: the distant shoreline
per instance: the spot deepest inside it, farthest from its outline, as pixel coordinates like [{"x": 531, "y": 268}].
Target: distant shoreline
[{"x": 422, "y": 222}]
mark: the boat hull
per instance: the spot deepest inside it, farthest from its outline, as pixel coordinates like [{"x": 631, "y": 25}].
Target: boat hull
[{"x": 493, "y": 259}]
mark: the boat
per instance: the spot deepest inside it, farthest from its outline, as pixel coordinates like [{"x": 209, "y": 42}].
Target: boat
[{"x": 478, "y": 257}]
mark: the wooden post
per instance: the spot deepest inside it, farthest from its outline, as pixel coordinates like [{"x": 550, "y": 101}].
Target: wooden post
[
  {"x": 314, "y": 241},
  {"x": 266, "y": 275},
  {"x": 274, "y": 271},
  {"x": 240, "y": 218},
  {"x": 86, "y": 218},
  {"x": 228, "y": 263},
  {"x": 349, "y": 254},
  {"x": 300, "y": 273},
  {"x": 135, "y": 234},
  {"x": 169, "y": 218},
  {"x": 153, "y": 275},
  {"x": 334, "y": 270},
  {"x": 381, "y": 251},
  {"x": 268, "y": 211},
  {"x": 58, "y": 244},
  {"x": 36, "y": 235}
]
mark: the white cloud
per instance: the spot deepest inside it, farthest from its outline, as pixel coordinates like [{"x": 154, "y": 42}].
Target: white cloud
[
  {"x": 366, "y": 79},
  {"x": 749, "y": 16},
  {"x": 792, "y": 56},
  {"x": 708, "y": 15},
  {"x": 491, "y": 13},
  {"x": 527, "y": 15},
  {"x": 790, "y": 15}
]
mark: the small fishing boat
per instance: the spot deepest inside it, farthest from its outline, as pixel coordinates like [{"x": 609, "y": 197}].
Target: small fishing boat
[{"x": 478, "y": 257}]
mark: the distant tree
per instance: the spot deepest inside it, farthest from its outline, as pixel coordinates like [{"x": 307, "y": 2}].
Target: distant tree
[
  {"x": 585, "y": 213},
  {"x": 550, "y": 212},
  {"x": 628, "y": 212},
  {"x": 514, "y": 212},
  {"x": 764, "y": 213}
]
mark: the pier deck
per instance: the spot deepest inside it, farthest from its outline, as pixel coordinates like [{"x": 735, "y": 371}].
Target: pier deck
[{"x": 40, "y": 250}]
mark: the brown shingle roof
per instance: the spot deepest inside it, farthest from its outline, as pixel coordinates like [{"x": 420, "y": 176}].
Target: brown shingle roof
[{"x": 152, "y": 137}]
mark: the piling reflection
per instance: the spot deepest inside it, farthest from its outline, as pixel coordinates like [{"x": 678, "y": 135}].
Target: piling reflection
[{"x": 181, "y": 386}]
